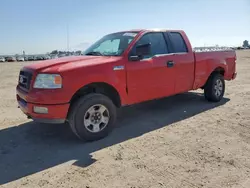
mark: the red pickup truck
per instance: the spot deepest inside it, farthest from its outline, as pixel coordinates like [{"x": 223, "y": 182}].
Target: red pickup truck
[{"x": 120, "y": 69}]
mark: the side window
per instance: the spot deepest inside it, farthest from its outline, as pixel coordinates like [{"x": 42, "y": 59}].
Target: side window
[
  {"x": 157, "y": 41},
  {"x": 178, "y": 42}
]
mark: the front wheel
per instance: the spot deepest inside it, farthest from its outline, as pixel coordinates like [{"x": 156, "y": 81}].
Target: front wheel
[
  {"x": 215, "y": 88},
  {"x": 92, "y": 117}
]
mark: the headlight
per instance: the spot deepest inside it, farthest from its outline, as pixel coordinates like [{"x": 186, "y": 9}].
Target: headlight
[{"x": 48, "y": 81}]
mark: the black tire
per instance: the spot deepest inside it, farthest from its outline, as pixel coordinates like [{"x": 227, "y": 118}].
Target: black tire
[
  {"x": 78, "y": 111},
  {"x": 209, "y": 89}
]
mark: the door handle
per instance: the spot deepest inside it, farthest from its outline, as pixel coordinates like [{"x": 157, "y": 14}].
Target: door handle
[{"x": 170, "y": 64}]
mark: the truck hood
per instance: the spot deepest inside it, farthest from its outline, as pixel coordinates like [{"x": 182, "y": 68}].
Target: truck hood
[{"x": 69, "y": 62}]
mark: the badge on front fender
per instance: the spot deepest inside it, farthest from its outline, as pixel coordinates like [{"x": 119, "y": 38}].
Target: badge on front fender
[{"x": 121, "y": 67}]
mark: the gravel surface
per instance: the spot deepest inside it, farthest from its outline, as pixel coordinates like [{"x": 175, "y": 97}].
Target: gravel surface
[{"x": 181, "y": 141}]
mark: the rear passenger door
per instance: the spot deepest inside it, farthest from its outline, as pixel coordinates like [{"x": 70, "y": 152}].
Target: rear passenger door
[{"x": 183, "y": 59}]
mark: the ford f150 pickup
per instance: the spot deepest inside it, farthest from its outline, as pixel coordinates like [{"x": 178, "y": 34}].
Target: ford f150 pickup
[{"x": 120, "y": 69}]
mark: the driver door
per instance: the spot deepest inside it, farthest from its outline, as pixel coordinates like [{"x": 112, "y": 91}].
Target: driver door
[{"x": 151, "y": 77}]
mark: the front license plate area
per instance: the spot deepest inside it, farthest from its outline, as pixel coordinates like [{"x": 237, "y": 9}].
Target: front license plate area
[{"x": 22, "y": 103}]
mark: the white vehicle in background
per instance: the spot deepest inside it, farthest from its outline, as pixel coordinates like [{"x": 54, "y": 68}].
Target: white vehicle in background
[
  {"x": 47, "y": 57},
  {"x": 20, "y": 58},
  {"x": 53, "y": 57},
  {"x": 61, "y": 55},
  {"x": 2, "y": 59}
]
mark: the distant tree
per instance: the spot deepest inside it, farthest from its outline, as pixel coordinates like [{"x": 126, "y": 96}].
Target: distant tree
[{"x": 245, "y": 43}]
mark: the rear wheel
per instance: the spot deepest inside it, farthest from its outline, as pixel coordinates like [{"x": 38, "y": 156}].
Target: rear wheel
[
  {"x": 215, "y": 88},
  {"x": 92, "y": 117}
]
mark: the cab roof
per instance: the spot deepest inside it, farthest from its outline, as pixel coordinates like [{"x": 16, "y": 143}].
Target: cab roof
[{"x": 152, "y": 30}]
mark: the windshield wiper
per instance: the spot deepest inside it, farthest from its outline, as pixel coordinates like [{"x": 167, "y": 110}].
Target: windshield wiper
[{"x": 94, "y": 53}]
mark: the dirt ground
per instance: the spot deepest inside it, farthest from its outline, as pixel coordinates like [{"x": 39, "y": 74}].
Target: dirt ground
[{"x": 181, "y": 141}]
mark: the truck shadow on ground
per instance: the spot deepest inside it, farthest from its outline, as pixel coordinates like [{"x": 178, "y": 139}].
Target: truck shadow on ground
[{"x": 30, "y": 148}]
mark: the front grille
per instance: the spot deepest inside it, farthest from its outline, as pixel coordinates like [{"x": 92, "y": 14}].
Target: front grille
[{"x": 25, "y": 78}]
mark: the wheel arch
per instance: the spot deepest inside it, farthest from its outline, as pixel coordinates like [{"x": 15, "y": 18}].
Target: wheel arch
[
  {"x": 98, "y": 87},
  {"x": 217, "y": 70}
]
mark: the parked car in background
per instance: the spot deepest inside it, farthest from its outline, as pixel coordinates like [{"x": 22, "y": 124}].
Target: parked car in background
[
  {"x": 39, "y": 58},
  {"x": 10, "y": 59},
  {"x": 48, "y": 57},
  {"x": 61, "y": 55},
  {"x": 36, "y": 58},
  {"x": 53, "y": 56},
  {"x": 20, "y": 58},
  {"x": 31, "y": 58},
  {"x": 2, "y": 59}
]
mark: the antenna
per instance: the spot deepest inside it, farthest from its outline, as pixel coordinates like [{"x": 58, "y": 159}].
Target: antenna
[{"x": 67, "y": 37}]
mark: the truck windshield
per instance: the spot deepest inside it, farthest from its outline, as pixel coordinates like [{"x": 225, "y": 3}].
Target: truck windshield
[{"x": 111, "y": 45}]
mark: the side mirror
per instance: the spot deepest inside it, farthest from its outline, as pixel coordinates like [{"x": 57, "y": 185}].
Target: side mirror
[{"x": 141, "y": 51}]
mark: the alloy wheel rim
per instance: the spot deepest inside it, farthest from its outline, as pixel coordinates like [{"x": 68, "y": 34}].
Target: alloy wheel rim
[
  {"x": 218, "y": 88},
  {"x": 96, "y": 118}
]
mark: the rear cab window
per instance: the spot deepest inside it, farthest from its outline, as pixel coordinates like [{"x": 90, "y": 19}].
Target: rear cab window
[{"x": 178, "y": 43}]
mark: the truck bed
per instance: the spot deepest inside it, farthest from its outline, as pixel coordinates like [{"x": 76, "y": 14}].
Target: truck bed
[{"x": 209, "y": 60}]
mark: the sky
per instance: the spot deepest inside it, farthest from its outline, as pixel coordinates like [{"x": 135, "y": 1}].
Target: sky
[{"x": 41, "y": 26}]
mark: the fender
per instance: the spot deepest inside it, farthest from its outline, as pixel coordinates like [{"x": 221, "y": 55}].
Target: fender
[
  {"x": 119, "y": 83},
  {"x": 205, "y": 68}
]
